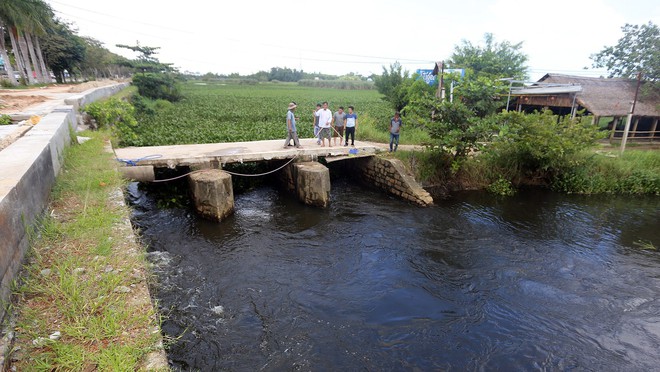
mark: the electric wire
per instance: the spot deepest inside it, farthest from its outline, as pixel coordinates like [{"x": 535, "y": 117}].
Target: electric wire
[{"x": 232, "y": 173}]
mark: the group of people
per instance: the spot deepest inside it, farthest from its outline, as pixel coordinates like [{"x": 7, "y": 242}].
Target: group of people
[{"x": 339, "y": 126}]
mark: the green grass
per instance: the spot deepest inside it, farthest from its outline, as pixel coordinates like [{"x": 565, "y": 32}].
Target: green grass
[
  {"x": 374, "y": 130},
  {"x": 634, "y": 172},
  {"x": 90, "y": 261},
  {"x": 229, "y": 113}
]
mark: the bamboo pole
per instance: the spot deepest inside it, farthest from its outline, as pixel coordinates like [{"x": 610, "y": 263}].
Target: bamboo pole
[{"x": 630, "y": 115}]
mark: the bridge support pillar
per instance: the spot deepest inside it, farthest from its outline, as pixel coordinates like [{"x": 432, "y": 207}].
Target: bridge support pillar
[
  {"x": 213, "y": 194},
  {"x": 140, "y": 173},
  {"x": 311, "y": 182}
]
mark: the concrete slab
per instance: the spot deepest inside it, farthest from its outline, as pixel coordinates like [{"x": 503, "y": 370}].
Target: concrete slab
[{"x": 233, "y": 152}]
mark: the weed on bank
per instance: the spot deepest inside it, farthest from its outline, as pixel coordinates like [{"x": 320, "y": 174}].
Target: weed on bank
[{"x": 82, "y": 303}]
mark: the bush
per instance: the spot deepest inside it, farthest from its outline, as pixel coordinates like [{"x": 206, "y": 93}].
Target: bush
[
  {"x": 501, "y": 187},
  {"x": 453, "y": 127},
  {"x": 636, "y": 172},
  {"x": 145, "y": 106},
  {"x": 5, "y": 83},
  {"x": 116, "y": 114},
  {"x": 5, "y": 119},
  {"x": 157, "y": 86},
  {"x": 539, "y": 144}
]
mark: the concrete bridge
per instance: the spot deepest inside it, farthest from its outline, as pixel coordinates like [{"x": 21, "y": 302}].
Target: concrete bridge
[
  {"x": 213, "y": 154},
  {"x": 301, "y": 172}
]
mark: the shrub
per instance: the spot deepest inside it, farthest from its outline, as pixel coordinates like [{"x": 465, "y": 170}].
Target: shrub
[
  {"x": 634, "y": 173},
  {"x": 501, "y": 187},
  {"x": 539, "y": 144},
  {"x": 5, "y": 83},
  {"x": 453, "y": 127},
  {"x": 116, "y": 114},
  {"x": 145, "y": 106},
  {"x": 157, "y": 86},
  {"x": 5, "y": 119}
]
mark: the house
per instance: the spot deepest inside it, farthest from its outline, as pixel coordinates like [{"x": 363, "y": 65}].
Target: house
[{"x": 607, "y": 99}]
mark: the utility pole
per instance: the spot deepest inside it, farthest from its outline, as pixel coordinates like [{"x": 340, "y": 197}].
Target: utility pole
[
  {"x": 630, "y": 115},
  {"x": 441, "y": 89}
]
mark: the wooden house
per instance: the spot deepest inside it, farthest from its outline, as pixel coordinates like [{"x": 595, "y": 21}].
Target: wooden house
[{"x": 609, "y": 99}]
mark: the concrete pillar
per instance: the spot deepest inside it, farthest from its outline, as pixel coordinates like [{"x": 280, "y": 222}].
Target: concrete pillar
[
  {"x": 213, "y": 194},
  {"x": 313, "y": 183},
  {"x": 140, "y": 173}
]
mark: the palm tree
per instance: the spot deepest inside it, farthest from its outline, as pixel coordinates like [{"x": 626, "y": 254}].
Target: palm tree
[
  {"x": 24, "y": 19},
  {"x": 5, "y": 56}
]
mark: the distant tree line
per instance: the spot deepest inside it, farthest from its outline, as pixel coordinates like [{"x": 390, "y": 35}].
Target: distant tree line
[{"x": 283, "y": 74}]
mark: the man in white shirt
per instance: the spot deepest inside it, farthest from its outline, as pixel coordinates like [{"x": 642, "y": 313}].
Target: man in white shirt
[{"x": 325, "y": 123}]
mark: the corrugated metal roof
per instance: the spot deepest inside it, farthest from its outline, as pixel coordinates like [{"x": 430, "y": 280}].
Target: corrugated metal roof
[{"x": 541, "y": 90}]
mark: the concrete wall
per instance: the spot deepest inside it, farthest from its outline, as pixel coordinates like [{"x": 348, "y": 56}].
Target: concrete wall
[
  {"x": 28, "y": 168},
  {"x": 92, "y": 95},
  {"x": 392, "y": 177}
]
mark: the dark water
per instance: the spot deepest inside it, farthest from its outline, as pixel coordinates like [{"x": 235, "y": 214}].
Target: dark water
[{"x": 539, "y": 281}]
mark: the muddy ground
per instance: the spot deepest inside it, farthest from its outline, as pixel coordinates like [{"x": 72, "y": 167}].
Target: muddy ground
[{"x": 17, "y": 100}]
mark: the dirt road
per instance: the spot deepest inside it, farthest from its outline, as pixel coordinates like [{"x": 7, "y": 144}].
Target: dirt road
[{"x": 14, "y": 101}]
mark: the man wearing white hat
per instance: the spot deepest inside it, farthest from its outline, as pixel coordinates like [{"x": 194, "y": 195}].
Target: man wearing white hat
[{"x": 291, "y": 126}]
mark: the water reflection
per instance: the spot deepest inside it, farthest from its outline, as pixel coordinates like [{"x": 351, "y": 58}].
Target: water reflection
[{"x": 538, "y": 281}]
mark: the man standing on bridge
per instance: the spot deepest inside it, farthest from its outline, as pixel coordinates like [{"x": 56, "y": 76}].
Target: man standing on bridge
[
  {"x": 325, "y": 123},
  {"x": 291, "y": 126}
]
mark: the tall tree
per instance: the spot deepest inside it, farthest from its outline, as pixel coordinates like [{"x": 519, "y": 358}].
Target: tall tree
[
  {"x": 146, "y": 60},
  {"x": 493, "y": 59},
  {"x": 24, "y": 19},
  {"x": 64, "y": 50},
  {"x": 5, "y": 55},
  {"x": 638, "y": 50},
  {"x": 393, "y": 84}
]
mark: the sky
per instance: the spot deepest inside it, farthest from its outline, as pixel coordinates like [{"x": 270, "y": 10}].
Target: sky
[{"x": 360, "y": 36}]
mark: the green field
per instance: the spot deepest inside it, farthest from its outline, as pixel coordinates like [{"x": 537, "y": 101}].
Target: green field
[{"x": 217, "y": 112}]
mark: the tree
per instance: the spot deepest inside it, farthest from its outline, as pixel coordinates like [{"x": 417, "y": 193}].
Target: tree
[
  {"x": 98, "y": 62},
  {"x": 146, "y": 60},
  {"x": 64, "y": 50},
  {"x": 637, "y": 51},
  {"x": 453, "y": 126},
  {"x": 24, "y": 20},
  {"x": 495, "y": 60},
  {"x": 284, "y": 74},
  {"x": 481, "y": 93},
  {"x": 393, "y": 84}
]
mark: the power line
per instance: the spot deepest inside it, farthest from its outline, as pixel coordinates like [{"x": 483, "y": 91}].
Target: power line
[
  {"x": 383, "y": 58},
  {"x": 114, "y": 27},
  {"x": 120, "y": 18}
]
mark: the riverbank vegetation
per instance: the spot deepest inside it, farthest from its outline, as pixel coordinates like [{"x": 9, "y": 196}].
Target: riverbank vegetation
[
  {"x": 499, "y": 152},
  {"x": 83, "y": 303},
  {"x": 472, "y": 141},
  {"x": 476, "y": 143},
  {"x": 219, "y": 112}
]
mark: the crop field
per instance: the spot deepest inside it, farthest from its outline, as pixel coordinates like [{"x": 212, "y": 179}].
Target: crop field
[{"x": 228, "y": 113}]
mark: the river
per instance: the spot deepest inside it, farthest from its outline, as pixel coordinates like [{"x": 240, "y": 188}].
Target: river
[{"x": 538, "y": 281}]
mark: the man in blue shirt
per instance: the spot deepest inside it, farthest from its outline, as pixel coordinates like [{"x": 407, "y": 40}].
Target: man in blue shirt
[
  {"x": 291, "y": 126},
  {"x": 351, "y": 125}
]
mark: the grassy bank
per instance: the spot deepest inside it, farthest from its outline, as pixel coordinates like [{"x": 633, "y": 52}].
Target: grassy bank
[
  {"x": 590, "y": 172},
  {"x": 230, "y": 113},
  {"x": 82, "y": 303}
]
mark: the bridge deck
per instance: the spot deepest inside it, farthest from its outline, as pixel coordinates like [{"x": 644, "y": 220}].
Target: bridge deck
[{"x": 234, "y": 152}]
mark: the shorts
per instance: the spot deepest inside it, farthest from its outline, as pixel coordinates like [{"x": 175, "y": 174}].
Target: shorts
[
  {"x": 325, "y": 133},
  {"x": 338, "y": 132}
]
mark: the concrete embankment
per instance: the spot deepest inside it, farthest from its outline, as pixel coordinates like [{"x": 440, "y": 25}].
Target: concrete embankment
[{"x": 28, "y": 168}]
